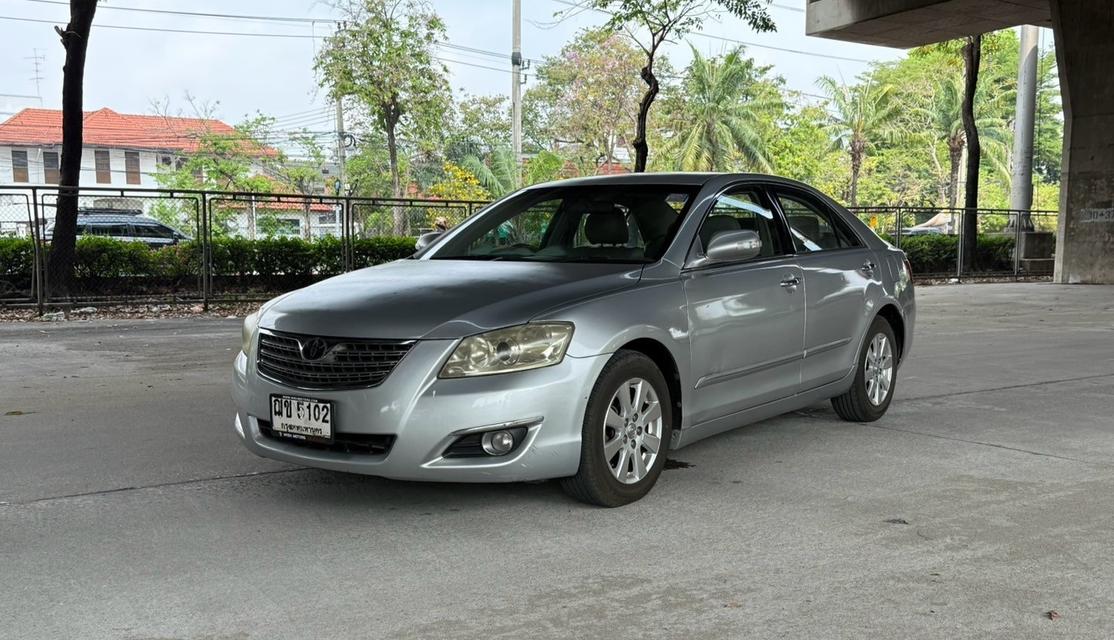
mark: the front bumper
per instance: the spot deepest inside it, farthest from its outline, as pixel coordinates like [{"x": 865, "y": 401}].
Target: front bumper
[{"x": 425, "y": 414}]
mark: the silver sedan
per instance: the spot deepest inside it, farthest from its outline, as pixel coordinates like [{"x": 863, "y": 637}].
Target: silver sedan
[{"x": 581, "y": 330}]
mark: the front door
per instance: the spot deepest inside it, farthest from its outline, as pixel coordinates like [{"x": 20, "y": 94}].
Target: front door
[{"x": 746, "y": 319}]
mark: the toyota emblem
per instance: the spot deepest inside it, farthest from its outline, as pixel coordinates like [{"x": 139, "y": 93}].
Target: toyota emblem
[{"x": 314, "y": 349}]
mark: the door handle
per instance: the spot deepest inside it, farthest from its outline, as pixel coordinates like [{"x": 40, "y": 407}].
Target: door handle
[
  {"x": 791, "y": 282},
  {"x": 868, "y": 268}
]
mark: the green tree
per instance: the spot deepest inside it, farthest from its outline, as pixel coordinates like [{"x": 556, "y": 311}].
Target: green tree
[
  {"x": 236, "y": 160},
  {"x": 497, "y": 174},
  {"x": 458, "y": 184},
  {"x": 384, "y": 59},
  {"x": 586, "y": 96},
  {"x": 480, "y": 125},
  {"x": 802, "y": 150},
  {"x": 861, "y": 115},
  {"x": 943, "y": 115},
  {"x": 650, "y": 23},
  {"x": 726, "y": 109}
]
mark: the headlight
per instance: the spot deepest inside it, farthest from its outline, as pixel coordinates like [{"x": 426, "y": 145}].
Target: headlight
[
  {"x": 529, "y": 346},
  {"x": 250, "y": 324}
]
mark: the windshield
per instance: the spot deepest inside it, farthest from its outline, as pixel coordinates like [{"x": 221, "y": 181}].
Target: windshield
[{"x": 596, "y": 223}]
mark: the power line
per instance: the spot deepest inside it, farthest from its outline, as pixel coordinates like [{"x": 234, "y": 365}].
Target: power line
[
  {"x": 168, "y": 30},
  {"x": 578, "y": 5},
  {"x": 258, "y": 35},
  {"x": 231, "y": 16}
]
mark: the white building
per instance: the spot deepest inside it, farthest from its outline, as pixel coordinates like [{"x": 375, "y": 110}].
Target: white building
[{"x": 120, "y": 151}]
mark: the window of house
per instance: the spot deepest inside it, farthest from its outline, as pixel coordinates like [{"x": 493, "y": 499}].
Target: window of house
[
  {"x": 19, "y": 166},
  {"x": 103, "y": 166},
  {"x": 131, "y": 167},
  {"x": 51, "y": 173}
]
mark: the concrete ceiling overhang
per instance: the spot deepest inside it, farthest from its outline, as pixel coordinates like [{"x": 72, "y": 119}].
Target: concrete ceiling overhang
[{"x": 912, "y": 23}]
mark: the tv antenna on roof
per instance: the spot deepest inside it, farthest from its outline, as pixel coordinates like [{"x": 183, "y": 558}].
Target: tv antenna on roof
[{"x": 37, "y": 59}]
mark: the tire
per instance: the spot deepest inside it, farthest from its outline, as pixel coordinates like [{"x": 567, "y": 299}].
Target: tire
[
  {"x": 864, "y": 402},
  {"x": 597, "y": 480}
]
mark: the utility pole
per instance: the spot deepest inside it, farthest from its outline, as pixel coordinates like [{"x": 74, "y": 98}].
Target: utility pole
[
  {"x": 1021, "y": 188},
  {"x": 516, "y": 91},
  {"x": 341, "y": 144}
]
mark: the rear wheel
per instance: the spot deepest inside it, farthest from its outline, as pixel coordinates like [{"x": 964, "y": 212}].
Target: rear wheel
[
  {"x": 875, "y": 377},
  {"x": 626, "y": 433}
]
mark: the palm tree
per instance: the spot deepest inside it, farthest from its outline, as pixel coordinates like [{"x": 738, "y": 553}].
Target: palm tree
[
  {"x": 944, "y": 116},
  {"x": 719, "y": 121},
  {"x": 497, "y": 174},
  {"x": 860, "y": 115}
]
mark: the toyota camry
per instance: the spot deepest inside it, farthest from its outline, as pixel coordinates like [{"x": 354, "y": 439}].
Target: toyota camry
[{"x": 581, "y": 330}]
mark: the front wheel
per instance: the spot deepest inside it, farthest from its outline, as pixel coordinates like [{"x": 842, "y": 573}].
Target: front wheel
[
  {"x": 875, "y": 377},
  {"x": 626, "y": 433}
]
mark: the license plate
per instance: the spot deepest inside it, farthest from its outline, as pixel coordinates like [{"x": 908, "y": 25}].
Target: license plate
[{"x": 302, "y": 418}]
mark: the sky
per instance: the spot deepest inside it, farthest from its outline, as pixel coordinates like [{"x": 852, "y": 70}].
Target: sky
[{"x": 131, "y": 70}]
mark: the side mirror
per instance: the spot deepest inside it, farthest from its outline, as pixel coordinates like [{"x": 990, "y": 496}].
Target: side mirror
[
  {"x": 733, "y": 246},
  {"x": 427, "y": 239}
]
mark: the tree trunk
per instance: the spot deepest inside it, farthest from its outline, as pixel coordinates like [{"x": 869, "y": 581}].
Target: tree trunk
[
  {"x": 391, "y": 122},
  {"x": 75, "y": 39},
  {"x": 641, "y": 147},
  {"x": 972, "y": 58},
  {"x": 955, "y": 158},
  {"x": 856, "y": 169}
]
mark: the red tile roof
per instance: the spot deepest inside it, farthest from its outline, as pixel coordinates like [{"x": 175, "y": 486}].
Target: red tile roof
[{"x": 106, "y": 128}]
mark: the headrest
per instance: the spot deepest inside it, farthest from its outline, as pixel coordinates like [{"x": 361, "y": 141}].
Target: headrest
[
  {"x": 655, "y": 218},
  {"x": 716, "y": 224},
  {"x": 606, "y": 228}
]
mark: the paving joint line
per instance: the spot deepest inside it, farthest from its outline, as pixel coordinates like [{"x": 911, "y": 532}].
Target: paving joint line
[{"x": 160, "y": 485}]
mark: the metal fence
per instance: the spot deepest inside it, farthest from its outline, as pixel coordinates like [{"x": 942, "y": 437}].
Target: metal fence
[
  {"x": 198, "y": 259},
  {"x": 1009, "y": 242},
  {"x": 204, "y": 262}
]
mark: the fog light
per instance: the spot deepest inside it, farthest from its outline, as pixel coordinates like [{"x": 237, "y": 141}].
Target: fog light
[{"x": 497, "y": 443}]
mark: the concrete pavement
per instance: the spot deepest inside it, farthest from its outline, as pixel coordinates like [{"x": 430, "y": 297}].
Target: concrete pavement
[{"x": 982, "y": 501}]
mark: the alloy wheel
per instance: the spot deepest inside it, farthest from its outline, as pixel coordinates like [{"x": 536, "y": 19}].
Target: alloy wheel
[
  {"x": 879, "y": 369},
  {"x": 632, "y": 431}
]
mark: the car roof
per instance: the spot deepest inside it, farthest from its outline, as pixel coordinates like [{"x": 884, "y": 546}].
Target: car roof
[
  {"x": 679, "y": 178},
  {"x": 115, "y": 218}
]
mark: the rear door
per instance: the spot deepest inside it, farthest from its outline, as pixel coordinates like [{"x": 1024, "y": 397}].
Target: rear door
[
  {"x": 838, "y": 268},
  {"x": 746, "y": 319}
]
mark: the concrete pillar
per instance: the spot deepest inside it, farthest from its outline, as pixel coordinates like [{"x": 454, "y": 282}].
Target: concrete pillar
[{"x": 1084, "y": 50}]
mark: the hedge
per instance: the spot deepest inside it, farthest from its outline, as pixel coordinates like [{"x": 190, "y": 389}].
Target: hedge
[
  {"x": 936, "y": 253},
  {"x": 114, "y": 265},
  {"x": 281, "y": 263}
]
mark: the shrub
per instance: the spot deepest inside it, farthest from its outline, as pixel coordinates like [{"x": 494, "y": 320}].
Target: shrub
[
  {"x": 937, "y": 254},
  {"x": 283, "y": 256},
  {"x": 104, "y": 258},
  {"x": 367, "y": 252},
  {"x": 233, "y": 256},
  {"x": 17, "y": 255},
  {"x": 177, "y": 262}
]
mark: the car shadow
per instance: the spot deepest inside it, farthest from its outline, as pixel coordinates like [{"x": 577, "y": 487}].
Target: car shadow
[{"x": 764, "y": 440}]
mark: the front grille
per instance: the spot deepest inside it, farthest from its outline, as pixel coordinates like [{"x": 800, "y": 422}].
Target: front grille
[
  {"x": 347, "y": 363},
  {"x": 373, "y": 444}
]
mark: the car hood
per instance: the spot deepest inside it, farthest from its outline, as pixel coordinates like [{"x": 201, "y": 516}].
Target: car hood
[{"x": 412, "y": 299}]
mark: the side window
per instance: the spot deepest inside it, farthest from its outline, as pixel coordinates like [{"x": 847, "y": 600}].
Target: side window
[
  {"x": 742, "y": 210},
  {"x": 813, "y": 226}
]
